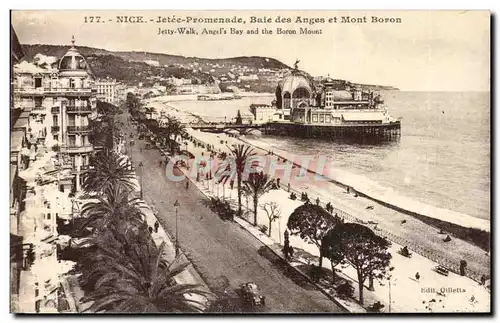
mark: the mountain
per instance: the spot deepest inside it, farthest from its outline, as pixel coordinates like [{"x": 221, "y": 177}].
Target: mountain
[{"x": 254, "y": 73}]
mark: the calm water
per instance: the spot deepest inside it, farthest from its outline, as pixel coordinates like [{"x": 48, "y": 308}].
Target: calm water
[{"x": 442, "y": 159}]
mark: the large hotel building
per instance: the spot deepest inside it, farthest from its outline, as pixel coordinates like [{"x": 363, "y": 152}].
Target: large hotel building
[{"x": 51, "y": 107}]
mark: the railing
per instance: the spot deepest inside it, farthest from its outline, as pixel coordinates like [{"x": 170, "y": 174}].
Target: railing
[
  {"x": 79, "y": 109},
  {"x": 78, "y": 148},
  {"x": 55, "y": 128},
  {"x": 38, "y": 108},
  {"x": 72, "y": 129},
  {"x": 427, "y": 253},
  {"x": 55, "y": 110}
]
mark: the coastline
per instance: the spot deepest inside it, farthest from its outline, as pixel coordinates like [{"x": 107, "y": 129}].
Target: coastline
[
  {"x": 417, "y": 235},
  {"x": 396, "y": 202}
]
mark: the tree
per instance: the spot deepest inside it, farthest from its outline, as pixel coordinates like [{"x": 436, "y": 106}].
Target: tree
[
  {"x": 109, "y": 170},
  {"x": 239, "y": 120},
  {"x": 114, "y": 209},
  {"x": 138, "y": 279},
  {"x": 311, "y": 223},
  {"x": 364, "y": 250},
  {"x": 176, "y": 129},
  {"x": 257, "y": 185},
  {"x": 332, "y": 249},
  {"x": 235, "y": 166},
  {"x": 273, "y": 213}
]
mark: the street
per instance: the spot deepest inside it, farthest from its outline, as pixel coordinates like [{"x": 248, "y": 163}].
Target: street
[{"x": 218, "y": 248}]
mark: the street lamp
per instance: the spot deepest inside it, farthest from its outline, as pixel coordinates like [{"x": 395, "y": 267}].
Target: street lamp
[
  {"x": 141, "y": 166},
  {"x": 176, "y": 205}
]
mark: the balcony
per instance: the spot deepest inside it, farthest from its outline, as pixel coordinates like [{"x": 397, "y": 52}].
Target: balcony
[
  {"x": 55, "y": 110},
  {"x": 36, "y": 109},
  {"x": 55, "y": 128},
  {"x": 77, "y": 148},
  {"x": 68, "y": 91},
  {"x": 78, "y": 109},
  {"x": 29, "y": 90},
  {"x": 78, "y": 129}
]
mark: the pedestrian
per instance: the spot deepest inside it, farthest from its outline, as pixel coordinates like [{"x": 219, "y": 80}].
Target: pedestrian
[
  {"x": 417, "y": 276},
  {"x": 160, "y": 162},
  {"x": 187, "y": 184},
  {"x": 483, "y": 280},
  {"x": 290, "y": 251},
  {"x": 157, "y": 225},
  {"x": 150, "y": 229}
]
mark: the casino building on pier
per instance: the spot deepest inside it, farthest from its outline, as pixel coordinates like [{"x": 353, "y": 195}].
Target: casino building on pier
[{"x": 329, "y": 108}]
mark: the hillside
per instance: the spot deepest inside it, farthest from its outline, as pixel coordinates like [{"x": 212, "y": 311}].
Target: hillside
[{"x": 255, "y": 73}]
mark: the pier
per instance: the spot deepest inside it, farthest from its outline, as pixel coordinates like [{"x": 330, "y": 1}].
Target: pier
[{"x": 388, "y": 131}]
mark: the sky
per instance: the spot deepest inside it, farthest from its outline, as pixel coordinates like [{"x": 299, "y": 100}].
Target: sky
[{"x": 427, "y": 51}]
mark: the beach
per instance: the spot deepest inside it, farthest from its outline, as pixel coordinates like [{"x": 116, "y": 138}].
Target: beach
[{"x": 424, "y": 241}]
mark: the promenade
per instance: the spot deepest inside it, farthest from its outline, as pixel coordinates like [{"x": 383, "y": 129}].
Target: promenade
[
  {"x": 405, "y": 292},
  {"x": 222, "y": 250}
]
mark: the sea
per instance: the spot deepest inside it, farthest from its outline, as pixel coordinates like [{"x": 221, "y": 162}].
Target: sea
[{"x": 442, "y": 158}]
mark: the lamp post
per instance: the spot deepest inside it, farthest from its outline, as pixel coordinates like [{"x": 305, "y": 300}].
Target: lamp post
[
  {"x": 176, "y": 205},
  {"x": 141, "y": 166}
]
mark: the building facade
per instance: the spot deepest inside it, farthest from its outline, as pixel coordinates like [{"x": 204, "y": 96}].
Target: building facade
[
  {"x": 60, "y": 102},
  {"x": 49, "y": 152},
  {"x": 299, "y": 100},
  {"x": 107, "y": 90}
]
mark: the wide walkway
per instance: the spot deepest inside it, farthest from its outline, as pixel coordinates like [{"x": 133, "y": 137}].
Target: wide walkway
[{"x": 223, "y": 249}]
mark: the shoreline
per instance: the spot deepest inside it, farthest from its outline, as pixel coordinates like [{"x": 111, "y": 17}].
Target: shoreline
[
  {"x": 375, "y": 193},
  {"x": 482, "y": 224},
  {"x": 418, "y": 235}
]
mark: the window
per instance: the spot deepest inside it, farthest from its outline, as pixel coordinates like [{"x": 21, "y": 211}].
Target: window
[
  {"x": 38, "y": 102},
  {"x": 321, "y": 118},
  {"x": 315, "y": 118},
  {"x": 55, "y": 120},
  {"x": 38, "y": 82},
  {"x": 56, "y": 137},
  {"x": 328, "y": 119},
  {"x": 71, "y": 120},
  {"x": 72, "y": 141},
  {"x": 71, "y": 83},
  {"x": 73, "y": 161}
]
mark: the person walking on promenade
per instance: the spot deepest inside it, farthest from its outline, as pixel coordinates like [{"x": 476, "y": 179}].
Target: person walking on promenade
[
  {"x": 417, "y": 276},
  {"x": 187, "y": 184},
  {"x": 157, "y": 225}
]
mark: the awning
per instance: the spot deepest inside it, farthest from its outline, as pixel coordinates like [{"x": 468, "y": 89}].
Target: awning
[
  {"x": 16, "y": 140},
  {"x": 13, "y": 169},
  {"x": 21, "y": 123},
  {"x": 363, "y": 116}
]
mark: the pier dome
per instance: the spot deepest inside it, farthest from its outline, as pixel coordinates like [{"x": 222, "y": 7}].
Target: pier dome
[
  {"x": 295, "y": 90},
  {"x": 73, "y": 63}
]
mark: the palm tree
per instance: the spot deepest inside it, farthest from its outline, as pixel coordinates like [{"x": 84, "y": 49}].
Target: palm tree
[
  {"x": 109, "y": 169},
  {"x": 257, "y": 185},
  {"x": 236, "y": 167},
  {"x": 114, "y": 209},
  {"x": 140, "y": 280},
  {"x": 176, "y": 129}
]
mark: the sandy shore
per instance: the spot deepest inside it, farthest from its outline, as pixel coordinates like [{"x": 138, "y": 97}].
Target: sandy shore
[
  {"x": 397, "y": 226},
  {"x": 407, "y": 295}
]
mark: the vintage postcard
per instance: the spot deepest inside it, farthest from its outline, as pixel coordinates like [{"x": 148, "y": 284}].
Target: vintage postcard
[{"x": 250, "y": 162}]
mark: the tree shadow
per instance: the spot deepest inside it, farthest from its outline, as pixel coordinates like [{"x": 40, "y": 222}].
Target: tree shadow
[{"x": 283, "y": 267}]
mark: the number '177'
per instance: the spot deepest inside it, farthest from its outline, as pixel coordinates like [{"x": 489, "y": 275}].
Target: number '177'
[{"x": 91, "y": 19}]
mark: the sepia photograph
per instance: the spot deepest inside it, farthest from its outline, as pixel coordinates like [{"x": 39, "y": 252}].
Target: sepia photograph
[{"x": 250, "y": 162}]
